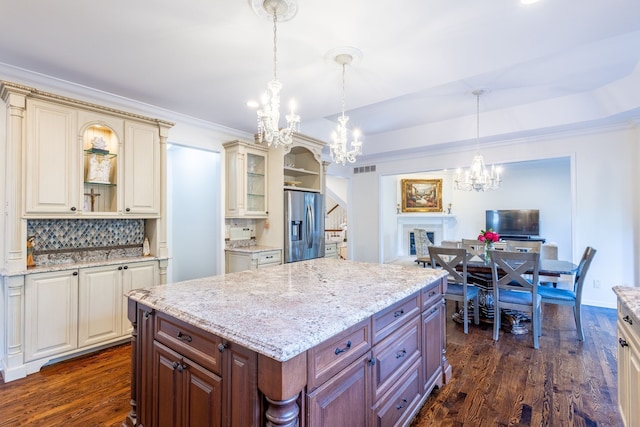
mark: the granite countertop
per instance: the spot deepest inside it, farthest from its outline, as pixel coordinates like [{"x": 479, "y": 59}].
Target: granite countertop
[
  {"x": 285, "y": 310},
  {"x": 253, "y": 249},
  {"x": 80, "y": 264},
  {"x": 630, "y": 298}
]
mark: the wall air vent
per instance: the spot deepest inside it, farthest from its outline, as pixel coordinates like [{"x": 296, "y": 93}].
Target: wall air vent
[{"x": 364, "y": 169}]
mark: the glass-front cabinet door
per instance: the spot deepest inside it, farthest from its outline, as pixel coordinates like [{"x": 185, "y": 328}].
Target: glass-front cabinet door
[
  {"x": 247, "y": 172},
  {"x": 100, "y": 147}
]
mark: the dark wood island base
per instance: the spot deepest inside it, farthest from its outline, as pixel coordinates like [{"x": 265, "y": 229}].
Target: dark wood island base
[{"x": 378, "y": 372}]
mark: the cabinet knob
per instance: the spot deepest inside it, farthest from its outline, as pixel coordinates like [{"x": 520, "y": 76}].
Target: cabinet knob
[
  {"x": 222, "y": 347},
  {"x": 128, "y": 210},
  {"x": 623, "y": 342},
  {"x": 184, "y": 337},
  {"x": 73, "y": 208},
  {"x": 126, "y": 267},
  {"x": 120, "y": 268},
  {"x": 342, "y": 350},
  {"x": 75, "y": 273},
  {"x": 402, "y": 405},
  {"x": 372, "y": 361},
  {"x": 628, "y": 319}
]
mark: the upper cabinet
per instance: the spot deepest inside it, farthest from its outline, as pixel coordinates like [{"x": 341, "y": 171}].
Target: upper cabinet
[
  {"x": 246, "y": 173},
  {"x": 85, "y": 160},
  {"x": 303, "y": 168},
  {"x": 51, "y": 159}
]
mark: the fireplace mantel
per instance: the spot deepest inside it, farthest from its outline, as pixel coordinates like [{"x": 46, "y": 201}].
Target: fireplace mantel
[{"x": 437, "y": 223}]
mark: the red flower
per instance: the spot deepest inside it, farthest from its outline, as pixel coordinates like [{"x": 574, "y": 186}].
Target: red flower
[{"x": 489, "y": 236}]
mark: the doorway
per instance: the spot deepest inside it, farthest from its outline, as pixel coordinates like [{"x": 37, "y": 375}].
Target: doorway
[{"x": 193, "y": 212}]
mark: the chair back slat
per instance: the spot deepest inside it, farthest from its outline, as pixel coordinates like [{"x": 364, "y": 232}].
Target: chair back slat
[
  {"x": 508, "y": 268},
  {"x": 449, "y": 259},
  {"x": 583, "y": 267}
]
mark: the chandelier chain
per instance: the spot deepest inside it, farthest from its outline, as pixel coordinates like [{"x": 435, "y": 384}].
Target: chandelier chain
[
  {"x": 343, "y": 88},
  {"x": 275, "y": 44}
]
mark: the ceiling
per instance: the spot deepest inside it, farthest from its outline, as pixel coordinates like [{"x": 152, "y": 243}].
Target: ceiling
[{"x": 554, "y": 64}]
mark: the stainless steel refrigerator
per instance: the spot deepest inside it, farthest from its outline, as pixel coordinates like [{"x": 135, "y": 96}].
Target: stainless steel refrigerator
[{"x": 303, "y": 225}]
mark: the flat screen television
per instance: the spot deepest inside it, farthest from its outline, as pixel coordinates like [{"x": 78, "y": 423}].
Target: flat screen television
[{"x": 517, "y": 222}]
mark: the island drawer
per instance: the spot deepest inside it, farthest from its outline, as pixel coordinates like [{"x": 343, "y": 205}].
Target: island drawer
[
  {"x": 328, "y": 358},
  {"x": 397, "y": 406},
  {"x": 628, "y": 319},
  {"x": 389, "y": 319},
  {"x": 432, "y": 293},
  {"x": 394, "y": 355},
  {"x": 189, "y": 341}
]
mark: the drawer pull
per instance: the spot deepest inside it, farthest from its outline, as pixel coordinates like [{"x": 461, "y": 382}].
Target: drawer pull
[
  {"x": 398, "y": 313},
  {"x": 402, "y": 353},
  {"x": 628, "y": 319},
  {"x": 184, "y": 337},
  {"x": 623, "y": 342},
  {"x": 432, "y": 293},
  {"x": 402, "y": 405},
  {"x": 222, "y": 347},
  {"x": 342, "y": 350}
]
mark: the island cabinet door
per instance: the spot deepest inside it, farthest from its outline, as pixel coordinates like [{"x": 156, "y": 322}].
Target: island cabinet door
[
  {"x": 241, "y": 405},
  {"x": 184, "y": 393},
  {"x": 432, "y": 345},
  {"x": 345, "y": 399}
]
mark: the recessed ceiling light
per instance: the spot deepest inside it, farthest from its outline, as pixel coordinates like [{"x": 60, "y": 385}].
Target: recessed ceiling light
[
  {"x": 252, "y": 103},
  {"x": 529, "y": 1}
]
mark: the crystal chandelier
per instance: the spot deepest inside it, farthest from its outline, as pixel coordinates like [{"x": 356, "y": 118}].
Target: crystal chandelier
[
  {"x": 478, "y": 178},
  {"x": 269, "y": 115},
  {"x": 339, "y": 151}
]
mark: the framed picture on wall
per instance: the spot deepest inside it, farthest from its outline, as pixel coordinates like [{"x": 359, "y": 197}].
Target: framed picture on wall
[{"x": 421, "y": 195}]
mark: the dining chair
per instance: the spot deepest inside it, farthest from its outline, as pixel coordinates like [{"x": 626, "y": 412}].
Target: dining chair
[
  {"x": 422, "y": 244},
  {"x": 512, "y": 291},
  {"x": 458, "y": 288},
  {"x": 523, "y": 245},
  {"x": 571, "y": 297}
]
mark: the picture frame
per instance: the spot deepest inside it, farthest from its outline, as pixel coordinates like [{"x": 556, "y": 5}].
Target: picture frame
[{"x": 421, "y": 195}]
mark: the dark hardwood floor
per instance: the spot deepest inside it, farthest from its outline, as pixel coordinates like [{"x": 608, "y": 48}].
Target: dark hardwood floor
[{"x": 504, "y": 383}]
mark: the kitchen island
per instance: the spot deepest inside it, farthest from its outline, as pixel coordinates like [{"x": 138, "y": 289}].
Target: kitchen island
[{"x": 323, "y": 342}]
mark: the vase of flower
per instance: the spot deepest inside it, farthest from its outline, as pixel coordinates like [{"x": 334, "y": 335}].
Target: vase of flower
[{"x": 489, "y": 238}]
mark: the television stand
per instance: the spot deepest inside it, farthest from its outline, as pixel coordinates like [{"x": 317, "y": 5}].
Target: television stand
[{"x": 522, "y": 238}]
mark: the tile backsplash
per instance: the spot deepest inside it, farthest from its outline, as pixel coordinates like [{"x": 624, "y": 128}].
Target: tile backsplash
[{"x": 70, "y": 240}]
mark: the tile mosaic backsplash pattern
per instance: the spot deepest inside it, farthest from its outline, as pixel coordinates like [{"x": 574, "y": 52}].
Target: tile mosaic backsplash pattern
[{"x": 74, "y": 234}]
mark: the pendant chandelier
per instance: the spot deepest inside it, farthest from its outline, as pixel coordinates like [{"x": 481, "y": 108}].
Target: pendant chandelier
[
  {"x": 338, "y": 148},
  {"x": 478, "y": 178},
  {"x": 269, "y": 115}
]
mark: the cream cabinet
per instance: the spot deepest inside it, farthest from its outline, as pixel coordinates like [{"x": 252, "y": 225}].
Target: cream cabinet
[
  {"x": 303, "y": 168},
  {"x": 331, "y": 250},
  {"x": 628, "y": 367},
  {"x": 141, "y": 169},
  {"x": 243, "y": 259},
  {"x": 51, "y": 314},
  {"x": 90, "y": 161},
  {"x": 52, "y": 182},
  {"x": 72, "y": 310},
  {"x": 247, "y": 173}
]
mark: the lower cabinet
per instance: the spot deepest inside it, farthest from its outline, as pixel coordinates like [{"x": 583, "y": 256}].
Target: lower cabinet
[
  {"x": 51, "y": 314},
  {"x": 198, "y": 379},
  {"x": 628, "y": 368},
  {"x": 75, "y": 309},
  {"x": 250, "y": 260}
]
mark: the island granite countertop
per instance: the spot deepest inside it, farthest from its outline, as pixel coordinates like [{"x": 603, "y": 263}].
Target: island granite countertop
[
  {"x": 285, "y": 310},
  {"x": 630, "y": 298}
]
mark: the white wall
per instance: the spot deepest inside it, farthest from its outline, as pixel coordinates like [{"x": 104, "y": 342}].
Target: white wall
[{"x": 603, "y": 196}]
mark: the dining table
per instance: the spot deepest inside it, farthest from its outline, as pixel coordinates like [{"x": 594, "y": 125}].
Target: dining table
[{"x": 480, "y": 275}]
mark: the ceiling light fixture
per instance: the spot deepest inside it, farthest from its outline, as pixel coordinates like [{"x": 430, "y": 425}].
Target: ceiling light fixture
[
  {"x": 269, "y": 115},
  {"x": 477, "y": 177},
  {"x": 338, "y": 148}
]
